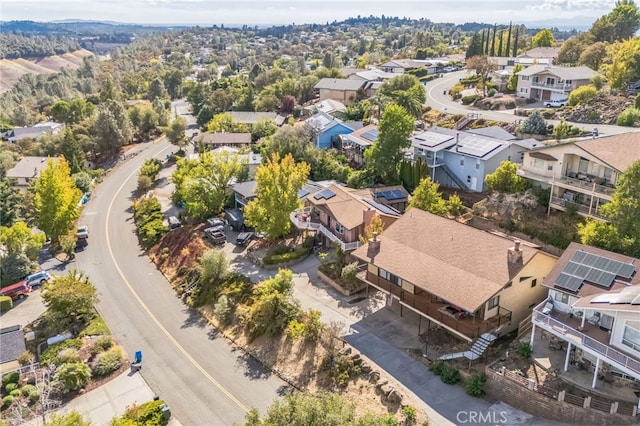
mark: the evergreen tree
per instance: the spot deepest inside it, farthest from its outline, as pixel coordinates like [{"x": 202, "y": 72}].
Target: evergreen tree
[
  {"x": 508, "y": 41},
  {"x": 515, "y": 43},
  {"x": 493, "y": 40}
]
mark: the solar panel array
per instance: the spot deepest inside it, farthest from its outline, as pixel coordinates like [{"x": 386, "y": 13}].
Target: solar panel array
[
  {"x": 628, "y": 296},
  {"x": 326, "y": 194},
  {"x": 593, "y": 268},
  {"x": 478, "y": 147},
  {"x": 371, "y": 135},
  {"x": 395, "y": 194},
  {"x": 303, "y": 193},
  {"x": 382, "y": 207}
]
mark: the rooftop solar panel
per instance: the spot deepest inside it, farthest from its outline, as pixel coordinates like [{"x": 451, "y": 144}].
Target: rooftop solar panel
[
  {"x": 578, "y": 256},
  {"x": 303, "y": 193},
  {"x": 627, "y": 270},
  {"x": 326, "y": 194},
  {"x": 371, "y": 135},
  {"x": 382, "y": 207},
  {"x": 568, "y": 282}
]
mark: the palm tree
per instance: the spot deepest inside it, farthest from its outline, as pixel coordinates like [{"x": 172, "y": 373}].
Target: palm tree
[{"x": 407, "y": 100}]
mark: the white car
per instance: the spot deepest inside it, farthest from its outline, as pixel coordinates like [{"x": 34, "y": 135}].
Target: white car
[
  {"x": 556, "y": 103},
  {"x": 82, "y": 232}
]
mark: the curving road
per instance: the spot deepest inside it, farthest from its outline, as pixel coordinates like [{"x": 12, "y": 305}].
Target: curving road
[
  {"x": 202, "y": 378},
  {"x": 436, "y": 99}
]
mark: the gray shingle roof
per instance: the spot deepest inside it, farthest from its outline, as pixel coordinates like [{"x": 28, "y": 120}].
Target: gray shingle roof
[
  {"x": 29, "y": 167},
  {"x": 565, "y": 73},
  {"x": 11, "y": 343},
  {"x": 339, "y": 84}
]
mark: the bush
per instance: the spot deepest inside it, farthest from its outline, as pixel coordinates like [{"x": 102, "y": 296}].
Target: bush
[
  {"x": 534, "y": 124},
  {"x": 456, "y": 91},
  {"x": 96, "y": 327},
  {"x": 341, "y": 368},
  {"x": 150, "y": 168},
  {"x": 147, "y": 214},
  {"x": 144, "y": 183},
  {"x": 10, "y": 387},
  {"x": 34, "y": 397},
  {"x": 582, "y": 94},
  {"x": 628, "y": 117},
  {"x": 102, "y": 344},
  {"x": 13, "y": 377},
  {"x": 285, "y": 257},
  {"x": 468, "y": 100},
  {"x": 637, "y": 103},
  {"x": 108, "y": 362},
  {"x": 492, "y": 92},
  {"x": 82, "y": 180},
  {"x": 564, "y": 129},
  {"x": 309, "y": 241},
  {"x": 475, "y": 385},
  {"x": 222, "y": 309},
  {"x": 50, "y": 355},
  {"x": 295, "y": 329},
  {"x": 7, "y": 401},
  {"x": 148, "y": 414},
  {"x": 524, "y": 349},
  {"x": 447, "y": 373},
  {"x": 15, "y": 393},
  {"x": 73, "y": 376},
  {"x": 348, "y": 273},
  {"x": 68, "y": 355},
  {"x": 6, "y": 303},
  {"x": 410, "y": 414},
  {"x": 27, "y": 389}
]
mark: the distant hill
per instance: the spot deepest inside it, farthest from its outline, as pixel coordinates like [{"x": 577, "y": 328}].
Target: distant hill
[
  {"x": 71, "y": 27},
  {"x": 12, "y": 69}
]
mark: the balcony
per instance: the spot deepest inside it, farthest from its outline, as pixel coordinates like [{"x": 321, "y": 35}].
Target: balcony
[
  {"x": 585, "y": 184},
  {"x": 591, "y": 338},
  {"x": 582, "y": 209},
  {"x": 463, "y": 324},
  {"x": 559, "y": 87},
  {"x": 304, "y": 219}
]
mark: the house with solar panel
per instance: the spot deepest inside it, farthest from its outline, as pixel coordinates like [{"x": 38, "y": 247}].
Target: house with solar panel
[
  {"x": 462, "y": 159},
  {"x": 593, "y": 310},
  {"x": 340, "y": 214},
  {"x": 581, "y": 175},
  {"x": 353, "y": 145},
  {"x": 327, "y": 128}
]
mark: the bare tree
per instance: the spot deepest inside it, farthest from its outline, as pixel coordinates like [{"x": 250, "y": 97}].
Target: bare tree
[
  {"x": 483, "y": 67},
  {"x": 48, "y": 400}
]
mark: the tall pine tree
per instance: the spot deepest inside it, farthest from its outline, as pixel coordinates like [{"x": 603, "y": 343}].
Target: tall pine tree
[
  {"x": 493, "y": 41},
  {"x": 508, "y": 41},
  {"x": 515, "y": 43}
]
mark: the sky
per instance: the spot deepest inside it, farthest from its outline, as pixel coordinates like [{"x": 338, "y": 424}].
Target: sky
[{"x": 545, "y": 13}]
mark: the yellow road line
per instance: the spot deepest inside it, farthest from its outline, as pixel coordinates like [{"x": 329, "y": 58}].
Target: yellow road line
[{"x": 148, "y": 311}]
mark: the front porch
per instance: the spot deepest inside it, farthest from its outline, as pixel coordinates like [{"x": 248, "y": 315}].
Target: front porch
[
  {"x": 464, "y": 324},
  {"x": 307, "y": 219}
]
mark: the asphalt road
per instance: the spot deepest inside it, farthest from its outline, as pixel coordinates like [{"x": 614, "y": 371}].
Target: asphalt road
[
  {"x": 436, "y": 99},
  {"x": 201, "y": 377}
]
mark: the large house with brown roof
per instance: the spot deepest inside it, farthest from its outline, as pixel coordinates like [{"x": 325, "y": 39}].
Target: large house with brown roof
[
  {"x": 339, "y": 89},
  {"x": 340, "y": 214},
  {"x": 465, "y": 280},
  {"x": 218, "y": 139},
  {"x": 547, "y": 82},
  {"x": 582, "y": 174},
  {"x": 593, "y": 308}
]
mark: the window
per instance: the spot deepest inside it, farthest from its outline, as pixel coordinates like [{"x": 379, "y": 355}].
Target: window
[
  {"x": 390, "y": 277},
  {"x": 339, "y": 228},
  {"x": 550, "y": 167},
  {"x": 631, "y": 335},
  {"x": 462, "y": 161},
  {"x": 477, "y": 166},
  {"x": 538, "y": 163},
  {"x": 524, "y": 77},
  {"x": 534, "y": 282},
  {"x": 494, "y": 302},
  {"x": 524, "y": 90},
  {"x": 509, "y": 158},
  {"x": 607, "y": 174},
  {"x": 561, "y": 297},
  {"x": 583, "y": 165}
]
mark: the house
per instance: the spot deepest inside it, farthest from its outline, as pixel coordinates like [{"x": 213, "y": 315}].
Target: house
[
  {"x": 539, "y": 55},
  {"x": 339, "y": 89},
  {"x": 28, "y": 169},
  {"x": 33, "y": 132},
  {"x": 468, "y": 281},
  {"x": 251, "y": 160},
  {"x": 244, "y": 192},
  {"x": 400, "y": 66},
  {"x": 250, "y": 118},
  {"x": 326, "y": 128},
  {"x": 544, "y": 82},
  {"x": 328, "y": 106},
  {"x": 12, "y": 345},
  {"x": 339, "y": 215},
  {"x": 593, "y": 307},
  {"x": 581, "y": 174},
  {"x": 463, "y": 159},
  {"x": 353, "y": 145},
  {"x": 372, "y": 75},
  {"x": 218, "y": 139}
]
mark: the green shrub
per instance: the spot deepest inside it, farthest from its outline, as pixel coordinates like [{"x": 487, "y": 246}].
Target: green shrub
[
  {"x": 637, "y": 103},
  {"x": 341, "y": 368},
  {"x": 285, "y": 257},
  {"x": 628, "y": 117},
  {"x": 447, "y": 373},
  {"x": 150, "y": 168},
  {"x": 50, "y": 355},
  {"x": 27, "y": 389},
  {"x": 144, "y": 183},
  {"x": 492, "y": 92},
  {"x": 96, "y": 327},
  {"x": 410, "y": 414},
  {"x": 534, "y": 124},
  {"x": 582, "y": 94},
  {"x": 469, "y": 99},
  {"x": 524, "y": 349},
  {"x": 295, "y": 329},
  {"x": 147, "y": 214},
  {"x": 34, "y": 397},
  {"x": 222, "y": 309},
  {"x": 7, "y": 401},
  {"x": 475, "y": 385},
  {"x": 148, "y": 414},
  {"x": 348, "y": 273},
  {"x": 103, "y": 343},
  {"x": 73, "y": 376},
  {"x": 26, "y": 358},
  {"x": 15, "y": 393},
  {"x": 456, "y": 91},
  {"x": 13, "y": 377},
  {"x": 10, "y": 387},
  {"x": 6, "y": 303},
  {"x": 309, "y": 240},
  {"x": 108, "y": 362},
  {"x": 68, "y": 355}
]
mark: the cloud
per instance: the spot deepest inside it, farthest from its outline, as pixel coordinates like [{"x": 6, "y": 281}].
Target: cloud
[{"x": 573, "y": 5}]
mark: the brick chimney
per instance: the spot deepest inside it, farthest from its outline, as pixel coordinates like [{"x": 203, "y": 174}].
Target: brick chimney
[
  {"x": 374, "y": 246},
  {"x": 368, "y": 215},
  {"x": 514, "y": 254}
]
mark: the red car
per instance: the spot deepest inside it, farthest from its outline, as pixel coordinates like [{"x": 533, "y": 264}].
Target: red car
[{"x": 16, "y": 291}]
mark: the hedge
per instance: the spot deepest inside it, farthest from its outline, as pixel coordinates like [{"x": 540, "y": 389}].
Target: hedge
[
  {"x": 150, "y": 414},
  {"x": 6, "y": 303},
  {"x": 285, "y": 257}
]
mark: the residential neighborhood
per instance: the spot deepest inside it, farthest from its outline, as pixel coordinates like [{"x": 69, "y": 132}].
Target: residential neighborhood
[{"x": 380, "y": 220}]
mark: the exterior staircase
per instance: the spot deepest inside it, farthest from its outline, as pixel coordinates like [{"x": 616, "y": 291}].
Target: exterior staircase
[
  {"x": 477, "y": 349},
  {"x": 453, "y": 177}
]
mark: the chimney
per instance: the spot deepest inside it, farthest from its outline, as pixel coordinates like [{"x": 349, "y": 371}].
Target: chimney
[
  {"x": 457, "y": 140},
  {"x": 374, "y": 246},
  {"x": 368, "y": 215},
  {"x": 514, "y": 255}
]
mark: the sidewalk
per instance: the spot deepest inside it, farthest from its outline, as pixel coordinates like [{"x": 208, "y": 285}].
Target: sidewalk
[{"x": 110, "y": 400}]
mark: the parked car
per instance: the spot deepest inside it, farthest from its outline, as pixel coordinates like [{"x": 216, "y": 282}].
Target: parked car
[
  {"x": 16, "y": 291},
  {"x": 215, "y": 236},
  {"x": 174, "y": 222},
  {"x": 215, "y": 221},
  {"x": 243, "y": 238},
  {"x": 556, "y": 103},
  {"x": 82, "y": 232},
  {"x": 38, "y": 279}
]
